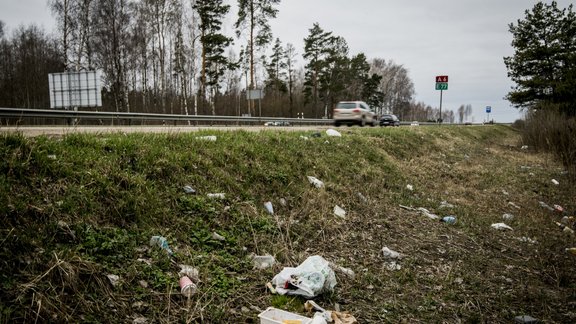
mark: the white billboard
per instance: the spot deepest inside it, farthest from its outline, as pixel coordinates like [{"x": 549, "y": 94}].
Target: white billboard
[{"x": 75, "y": 89}]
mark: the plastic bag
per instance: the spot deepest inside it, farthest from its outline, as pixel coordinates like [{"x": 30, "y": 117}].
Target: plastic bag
[{"x": 309, "y": 279}]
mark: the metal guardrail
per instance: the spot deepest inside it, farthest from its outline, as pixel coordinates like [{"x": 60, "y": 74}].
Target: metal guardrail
[
  {"x": 96, "y": 115},
  {"x": 20, "y": 113}
]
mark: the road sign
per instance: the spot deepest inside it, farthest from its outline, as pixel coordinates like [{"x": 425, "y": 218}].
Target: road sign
[
  {"x": 441, "y": 85},
  {"x": 488, "y": 109},
  {"x": 442, "y": 78}
]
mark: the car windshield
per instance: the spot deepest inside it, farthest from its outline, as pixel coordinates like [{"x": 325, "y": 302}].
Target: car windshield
[{"x": 346, "y": 105}]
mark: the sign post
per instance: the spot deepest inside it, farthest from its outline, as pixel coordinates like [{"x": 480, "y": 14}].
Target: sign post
[
  {"x": 488, "y": 111},
  {"x": 441, "y": 84}
]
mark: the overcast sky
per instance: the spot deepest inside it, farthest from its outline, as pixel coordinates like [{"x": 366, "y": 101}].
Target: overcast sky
[{"x": 464, "y": 39}]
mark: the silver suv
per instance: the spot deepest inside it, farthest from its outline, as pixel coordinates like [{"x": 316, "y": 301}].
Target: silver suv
[{"x": 354, "y": 112}]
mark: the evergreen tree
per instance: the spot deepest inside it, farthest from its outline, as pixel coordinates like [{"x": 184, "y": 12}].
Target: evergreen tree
[
  {"x": 544, "y": 62},
  {"x": 214, "y": 62},
  {"x": 254, "y": 15}
]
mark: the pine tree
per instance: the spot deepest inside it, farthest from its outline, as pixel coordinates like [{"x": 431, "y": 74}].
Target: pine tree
[{"x": 544, "y": 62}]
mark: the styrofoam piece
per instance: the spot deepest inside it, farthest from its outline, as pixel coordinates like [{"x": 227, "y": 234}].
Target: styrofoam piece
[{"x": 276, "y": 316}]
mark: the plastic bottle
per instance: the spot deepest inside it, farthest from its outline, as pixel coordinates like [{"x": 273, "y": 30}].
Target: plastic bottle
[{"x": 449, "y": 220}]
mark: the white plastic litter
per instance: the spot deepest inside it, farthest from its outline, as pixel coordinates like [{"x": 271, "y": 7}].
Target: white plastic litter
[
  {"x": 216, "y": 195},
  {"x": 390, "y": 254},
  {"x": 218, "y": 237},
  {"x": 317, "y": 183},
  {"x": 114, "y": 279},
  {"x": 263, "y": 261},
  {"x": 392, "y": 266},
  {"x": 409, "y": 187},
  {"x": 189, "y": 271},
  {"x": 513, "y": 205},
  {"x": 332, "y": 132},
  {"x": 507, "y": 217},
  {"x": 338, "y": 211},
  {"x": 427, "y": 213},
  {"x": 554, "y": 181},
  {"x": 277, "y": 316},
  {"x": 309, "y": 279},
  {"x": 524, "y": 147},
  {"x": 210, "y": 138},
  {"x": 445, "y": 204},
  {"x": 501, "y": 226},
  {"x": 269, "y": 208}
]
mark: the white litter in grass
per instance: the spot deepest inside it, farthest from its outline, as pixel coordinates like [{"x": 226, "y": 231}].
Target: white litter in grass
[
  {"x": 501, "y": 226},
  {"x": 338, "y": 211},
  {"x": 317, "y": 183},
  {"x": 210, "y": 138},
  {"x": 390, "y": 254},
  {"x": 410, "y": 187},
  {"x": 427, "y": 213},
  {"x": 507, "y": 217},
  {"x": 332, "y": 132},
  {"x": 216, "y": 195},
  {"x": 554, "y": 181}
]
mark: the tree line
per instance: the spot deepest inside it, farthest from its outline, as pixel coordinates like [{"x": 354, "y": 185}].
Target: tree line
[{"x": 171, "y": 56}]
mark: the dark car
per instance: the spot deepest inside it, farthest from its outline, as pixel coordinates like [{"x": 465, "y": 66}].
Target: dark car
[{"x": 389, "y": 120}]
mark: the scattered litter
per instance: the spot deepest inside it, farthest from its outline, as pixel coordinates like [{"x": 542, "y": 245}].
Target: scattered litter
[
  {"x": 501, "y": 226},
  {"x": 189, "y": 271},
  {"x": 263, "y": 261},
  {"x": 507, "y": 217},
  {"x": 317, "y": 183},
  {"x": 338, "y": 211},
  {"x": 558, "y": 208},
  {"x": 526, "y": 240},
  {"x": 524, "y": 147},
  {"x": 525, "y": 319},
  {"x": 114, "y": 279},
  {"x": 545, "y": 205},
  {"x": 332, "y": 132},
  {"x": 140, "y": 320},
  {"x": 392, "y": 266},
  {"x": 409, "y": 187},
  {"x": 445, "y": 204},
  {"x": 326, "y": 142},
  {"x": 361, "y": 196},
  {"x": 391, "y": 254},
  {"x": 513, "y": 205},
  {"x": 566, "y": 220},
  {"x": 147, "y": 261},
  {"x": 319, "y": 318},
  {"x": 277, "y": 316},
  {"x": 343, "y": 318},
  {"x": 216, "y": 195},
  {"x": 459, "y": 280},
  {"x": 346, "y": 271},
  {"x": 283, "y": 202},
  {"x": 271, "y": 288},
  {"x": 554, "y": 181},
  {"x": 571, "y": 250},
  {"x": 407, "y": 208},
  {"x": 161, "y": 242},
  {"x": 427, "y": 213},
  {"x": 218, "y": 237},
  {"x": 309, "y": 279},
  {"x": 269, "y": 208},
  {"x": 505, "y": 193},
  {"x": 210, "y": 138},
  {"x": 565, "y": 228},
  {"x": 304, "y": 137},
  {"x": 449, "y": 219},
  {"x": 189, "y": 190},
  {"x": 143, "y": 284},
  {"x": 52, "y": 156},
  {"x": 187, "y": 287}
]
